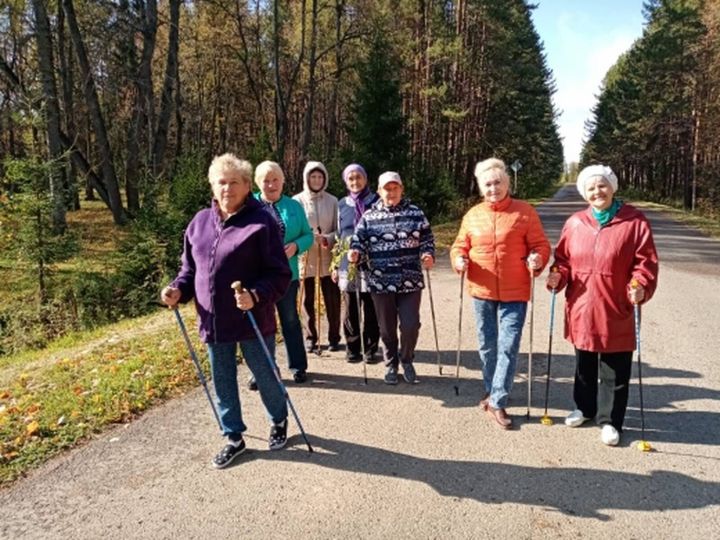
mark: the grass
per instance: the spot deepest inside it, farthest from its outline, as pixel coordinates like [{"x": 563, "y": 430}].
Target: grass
[
  {"x": 707, "y": 224},
  {"x": 53, "y": 399}
]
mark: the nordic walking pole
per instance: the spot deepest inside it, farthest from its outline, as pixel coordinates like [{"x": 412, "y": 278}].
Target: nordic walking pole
[
  {"x": 530, "y": 353},
  {"x": 301, "y": 294},
  {"x": 432, "y": 311},
  {"x": 200, "y": 374},
  {"x": 546, "y": 420},
  {"x": 360, "y": 320},
  {"x": 642, "y": 444},
  {"x": 318, "y": 351},
  {"x": 238, "y": 287},
  {"x": 457, "y": 357}
]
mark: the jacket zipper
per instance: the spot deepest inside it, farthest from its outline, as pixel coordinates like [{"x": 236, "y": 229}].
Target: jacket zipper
[{"x": 213, "y": 252}]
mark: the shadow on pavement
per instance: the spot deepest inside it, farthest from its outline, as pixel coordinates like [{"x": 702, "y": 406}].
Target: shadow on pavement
[
  {"x": 665, "y": 417},
  {"x": 572, "y": 491}
]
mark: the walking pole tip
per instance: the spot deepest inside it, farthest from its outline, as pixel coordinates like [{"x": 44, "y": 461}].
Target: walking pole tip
[
  {"x": 546, "y": 421},
  {"x": 644, "y": 446}
]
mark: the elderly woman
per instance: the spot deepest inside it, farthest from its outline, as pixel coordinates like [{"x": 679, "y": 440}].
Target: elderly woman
[
  {"x": 321, "y": 209},
  {"x": 350, "y": 209},
  {"x": 498, "y": 240},
  {"x": 297, "y": 238},
  {"x": 602, "y": 250},
  {"x": 235, "y": 240},
  {"x": 395, "y": 237}
]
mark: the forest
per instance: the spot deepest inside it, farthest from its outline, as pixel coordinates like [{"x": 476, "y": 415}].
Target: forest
[
  {"x": 119, "y": 105},
  {"x": 657, "y": 120}
]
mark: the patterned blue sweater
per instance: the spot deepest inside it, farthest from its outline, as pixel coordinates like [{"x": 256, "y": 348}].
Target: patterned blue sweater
[{"x": 392, "y": 239}]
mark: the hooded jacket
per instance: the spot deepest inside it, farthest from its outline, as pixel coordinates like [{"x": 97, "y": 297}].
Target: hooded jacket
[
  {"x": 497, "y": 238},
  {"x": 597, "y": 264},
  {"x": 246, "y": 247},
  {"x": 321, "y": 210}
]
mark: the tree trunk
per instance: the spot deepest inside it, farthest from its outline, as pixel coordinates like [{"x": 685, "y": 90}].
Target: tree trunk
[
  {"x": 310, "y": 109},
  {"x": 66, "y": 75},
  {"x": 142, "y": 104},
  {"x": 109, "y": 177},
  {"x": 166, "y": 101},
  {"x": 282, "y": 99},
  {"x": 46, "y": 63}
]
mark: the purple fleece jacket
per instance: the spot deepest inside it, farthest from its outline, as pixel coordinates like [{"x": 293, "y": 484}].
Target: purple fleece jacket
[{"x": 247, "y": 248}]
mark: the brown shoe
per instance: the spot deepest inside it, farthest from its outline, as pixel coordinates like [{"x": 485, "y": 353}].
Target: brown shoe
[
  {"x": 500, "y": 417},
  {"x": 484, "y": 402}
]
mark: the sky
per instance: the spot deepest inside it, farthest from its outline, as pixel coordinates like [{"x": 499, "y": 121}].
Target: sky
[{"x": 582, "y": 40}]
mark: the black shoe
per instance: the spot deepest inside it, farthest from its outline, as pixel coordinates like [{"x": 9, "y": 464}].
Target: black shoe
[
  {"x": 228, "y": 454},
  {"x": 310, "y": 346},
  {"x": 391, "y": 375},
  {"x": 299, "y": 377},
  {"x": 278, "y": 435},
  {"x": 334, "y": 347},
  {"x": 252, "y": 384},
  {"x": 354, "y": 357},
  {"x": 370, "y": 357}
]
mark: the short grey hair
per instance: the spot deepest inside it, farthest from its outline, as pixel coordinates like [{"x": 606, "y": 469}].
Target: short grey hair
[
  {"x": 491, "y": 167},
  {"x": 230, "y": 162},
  {"x": 265, "y": 168}
]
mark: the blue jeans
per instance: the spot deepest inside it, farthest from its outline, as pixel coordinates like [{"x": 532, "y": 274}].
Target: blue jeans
[
  {"x": 223, "y": 363},
  {"x": 499, "y": 329},
  {"x": 292, "y": 329}
]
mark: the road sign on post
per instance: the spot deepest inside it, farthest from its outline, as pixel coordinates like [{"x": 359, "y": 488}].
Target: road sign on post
[{"x": 515, "y": 166}]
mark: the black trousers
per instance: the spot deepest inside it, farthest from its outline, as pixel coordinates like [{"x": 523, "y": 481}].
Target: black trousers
[
  {"x": 331, "y": 298},
  {"x": 351, "y": 324},
  {"x": 607, "y": 400},
  {"x": 402, "y": 308}
]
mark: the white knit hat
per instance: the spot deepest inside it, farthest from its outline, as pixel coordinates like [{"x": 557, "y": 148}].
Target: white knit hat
[{"x": 591, "y": 172}]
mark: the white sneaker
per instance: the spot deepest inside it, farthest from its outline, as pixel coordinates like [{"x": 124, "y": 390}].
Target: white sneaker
[
  {"x": 609, "y": 435},
  {"x": 575, "y": 419}
]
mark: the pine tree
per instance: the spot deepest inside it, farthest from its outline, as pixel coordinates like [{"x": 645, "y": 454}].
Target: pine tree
[{"x": 377, "y": 131}]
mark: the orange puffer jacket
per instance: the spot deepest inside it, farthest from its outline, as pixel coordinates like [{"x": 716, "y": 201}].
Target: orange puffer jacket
[{"x": 496, "y": 238}]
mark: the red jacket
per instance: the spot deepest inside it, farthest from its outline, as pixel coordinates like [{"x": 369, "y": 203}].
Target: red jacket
[
  {"x": 496, "y": 239},
  {"x": 597, "y": 265}
]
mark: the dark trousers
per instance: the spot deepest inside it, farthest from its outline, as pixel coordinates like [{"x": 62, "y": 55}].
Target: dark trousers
[
  {"x": 331, "y": 297},
  {"x": 291, "y": 329},
  {"x": 404, "y": 308},
  {"x": 351, "y": 323},
  {"x": 608, "y": 400}
]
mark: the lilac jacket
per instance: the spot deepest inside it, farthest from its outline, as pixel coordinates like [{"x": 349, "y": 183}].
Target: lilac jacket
[{"x": 246, "y": 247}]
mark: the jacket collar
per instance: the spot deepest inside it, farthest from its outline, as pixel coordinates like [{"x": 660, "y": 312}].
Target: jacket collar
[{"x": 499, "y": 206}]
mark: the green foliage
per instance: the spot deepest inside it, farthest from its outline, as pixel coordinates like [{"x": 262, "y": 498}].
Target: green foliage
[
  {"x": 377, "y": 130},
  {"x": 52, "y": 400},
  {"x": 29, "y": 226},
  {"x": 649, "y": 116},
  {"x": 435, "y": 195},
  {"x": 190, "y": 190},
  {"x": 521, "y": 120}
]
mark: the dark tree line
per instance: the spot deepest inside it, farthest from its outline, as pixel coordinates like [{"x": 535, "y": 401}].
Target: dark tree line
[
  {"x": 117, "y": 93},
  {"x": 658, "y": 116}
]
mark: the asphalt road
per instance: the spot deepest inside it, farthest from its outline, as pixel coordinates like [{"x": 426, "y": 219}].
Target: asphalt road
[{"x": 418, "y": 461}]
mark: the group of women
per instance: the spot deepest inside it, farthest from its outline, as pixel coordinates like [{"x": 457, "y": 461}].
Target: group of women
[{"x": 605, "y": 259}]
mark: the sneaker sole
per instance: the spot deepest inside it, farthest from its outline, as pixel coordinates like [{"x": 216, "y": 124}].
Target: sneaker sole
[
  {"x": 577, "y": 423},
  {"x": 229, "y": 461},
  {"x": 391, "y": 383}
]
